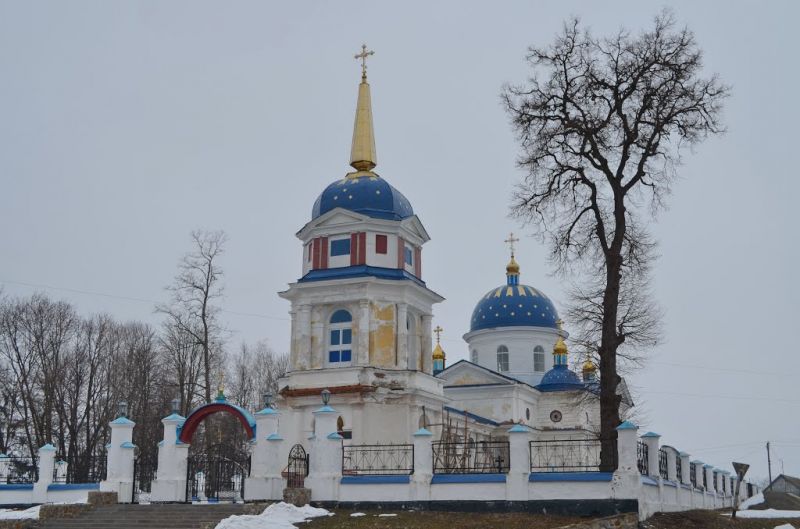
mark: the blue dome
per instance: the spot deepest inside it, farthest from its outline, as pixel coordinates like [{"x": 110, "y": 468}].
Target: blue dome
[
  {"x": 368, "y": 195},
  {"x": 560, "y": 378},
  {"x": 513, "y": 306}
]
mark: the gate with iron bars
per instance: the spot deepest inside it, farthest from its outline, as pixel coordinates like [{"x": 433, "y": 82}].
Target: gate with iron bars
[
  {"x": 217, "y": 474},
  {"x": 144, "y": 472},
  {"x": 297, "y": 467}
]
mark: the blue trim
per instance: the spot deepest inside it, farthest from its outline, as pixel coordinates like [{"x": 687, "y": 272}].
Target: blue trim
[
  {"x": 570, "y": 476},
  {"x": 422, "y": 432},
  {"x": 627, "y": 425},
  {"x": 16, "y": 486},
  {"x": 127, "y": 444},
  {"x": 476, "y": 418},
  {"x": 519, "y": 428},
  {"x": 374, "y": 480},
  {"x": 670, "y": 483},
  {"x": 73, "y": 486},
  {"x": 335, "y": 436},
  {"x": 122, "y": 420},
  {"x": 325, "y": 409},
  {"x": 48, "y": 448},
  {"x": 267, "y": 411},
  {"x": 651, "y": 434},
  {"x": 647, "y": 480},
  {"x": 274, "y": 437},
  {"x": 346, "y": 272},
  {"x": 685, "y": 486},
  {"x": 174, "y": 417},
  {"x": 468, "y": 478}
]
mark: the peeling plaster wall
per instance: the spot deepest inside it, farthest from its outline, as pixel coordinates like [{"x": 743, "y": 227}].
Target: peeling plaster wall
[{"x": 382, "y": 340}]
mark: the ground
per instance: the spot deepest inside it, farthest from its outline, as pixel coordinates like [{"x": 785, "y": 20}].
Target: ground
[
  {"x": 438, "y": 520},
  {"x": 711, "y": 520}
]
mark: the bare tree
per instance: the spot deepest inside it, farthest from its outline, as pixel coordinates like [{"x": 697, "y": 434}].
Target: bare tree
[
  {"x": 253, "y": 371},
  {"x": 196, "y": 287},
  {"x": 602, "y": 124}
]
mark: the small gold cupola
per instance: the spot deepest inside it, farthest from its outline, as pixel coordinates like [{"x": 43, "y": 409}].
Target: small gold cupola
[
  {"x": 589, "y": 371},
  {"x": 512, "y": 268},
  {"x": 438, "y": 352},
  {"x": 363, "y": 156},
  {"x": 560, "y": 351}
]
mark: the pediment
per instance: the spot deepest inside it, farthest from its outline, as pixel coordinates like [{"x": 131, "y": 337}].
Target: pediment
[
  {"x": 333, "y": 218},
  {"x": 464, "y": 373}
]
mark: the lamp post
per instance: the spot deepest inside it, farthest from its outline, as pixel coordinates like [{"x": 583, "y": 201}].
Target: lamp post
[{"x": 326, "y": 396}]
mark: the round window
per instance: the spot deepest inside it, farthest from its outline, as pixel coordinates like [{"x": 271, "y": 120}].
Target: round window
[{"x": 555, "y": 416}]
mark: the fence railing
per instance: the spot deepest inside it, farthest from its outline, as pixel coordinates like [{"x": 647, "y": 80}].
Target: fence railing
[
  {"x": 565, "y": 455},
  {"x": 80, "y": 470},
  {"x": 471, "y": 457},
  {"x": 663, "y": 463},
  {"x": 693, "y": 474},
  {"x": 19, "y": 470},
  {"x": 679, "y": 469},
  {"x": 642, "y": 460},
  {"x": 389, "y": 459}
]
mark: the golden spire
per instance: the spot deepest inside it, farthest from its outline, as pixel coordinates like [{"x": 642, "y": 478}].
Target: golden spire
[
  {"x": 589, "y": 367},
  {"x": 512, "y": 268},
  {"x": 363, "y": 157},
  {"x": 438, "y": 352}
]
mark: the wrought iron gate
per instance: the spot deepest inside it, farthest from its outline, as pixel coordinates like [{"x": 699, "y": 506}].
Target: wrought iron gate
[
  {"x": 217, "y": 474},
  {"x": 144, "y": 472},
  {"x": 297, "y": 469}
]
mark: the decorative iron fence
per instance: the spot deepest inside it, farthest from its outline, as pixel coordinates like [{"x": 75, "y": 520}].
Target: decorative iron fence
[
  {"x": 565, "y": 455},
  {"x": 297, "y": 467},
  {"x": 471, "y": 457},
  {"x": 144, "y": 473},
  {"x": 705, "y": 479},
  {"x": 679, "y": 469},
  {"x": 642, "y": 460},
  {"x": 663, "y": 466},
  {"x": 713, "y": 480},
  {"x": 19, "y": 470},
  {"x": 90, "y": 469},
  {"x": 378, "y": 459},
  {"x": 693, "y": 474}
]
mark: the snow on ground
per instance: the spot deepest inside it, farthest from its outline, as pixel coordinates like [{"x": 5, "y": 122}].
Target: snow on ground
[
  {"x": 767, "y": 513},
  {"x": 749, "y": 502},
  {"x": 785, "y": 526},
  {"x": 386, "y": 515},
  {"x": 357, "y": 514},
  {"x": 276, "y": 516},
  {"x": 27, "y": 514}
]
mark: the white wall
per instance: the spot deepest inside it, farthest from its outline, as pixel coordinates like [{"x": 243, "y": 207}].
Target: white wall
[{"x": 520, "y": 342}]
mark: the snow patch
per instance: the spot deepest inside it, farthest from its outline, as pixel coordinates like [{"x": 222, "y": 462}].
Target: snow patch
[
  {"x": 768, "y": 513},
  {"x": 276, "y": 516},
  {"x": 357, "y": 514},
  {"x": 27, "y": 514},
  {"x": 386, "y": 515},
  {"x": 749, "y": 502},
  {"x": 785, "y": 526}
]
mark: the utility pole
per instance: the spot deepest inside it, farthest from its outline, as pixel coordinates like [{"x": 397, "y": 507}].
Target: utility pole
[{"x": 769, "y": 463}]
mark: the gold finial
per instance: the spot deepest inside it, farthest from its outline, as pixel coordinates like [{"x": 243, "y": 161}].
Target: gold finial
[
  {"x": 363, "y": 157},
  {"x": 512, "y": 268},
  {"x": 588, "y": 366},
  {"x": 438, "y": 352},
  {"x": 363, "y": 56},
  {"x": 560, "y": 347},
  {"x": 221, "y": 386},
  {"x": 438, "y": 330}
]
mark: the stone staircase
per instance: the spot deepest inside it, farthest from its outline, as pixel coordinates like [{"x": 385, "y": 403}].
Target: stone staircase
[{"x": 157, "y": 516}]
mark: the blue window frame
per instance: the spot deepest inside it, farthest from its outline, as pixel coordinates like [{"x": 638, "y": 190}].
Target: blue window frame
[
  {"x": 340, "y": 247},
  {"x": 409, "y": 256},
  {"x": 340, "y": 343}
]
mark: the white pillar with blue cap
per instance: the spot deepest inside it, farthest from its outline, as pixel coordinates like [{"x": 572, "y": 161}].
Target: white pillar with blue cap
[
  {"x": 265, "y": 481},
  {"x": 170, "y": 482},
  {"x": 120, "y": 455}
]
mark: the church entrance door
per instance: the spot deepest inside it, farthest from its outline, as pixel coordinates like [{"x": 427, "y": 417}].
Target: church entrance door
[{"x": 217, "y": 474}]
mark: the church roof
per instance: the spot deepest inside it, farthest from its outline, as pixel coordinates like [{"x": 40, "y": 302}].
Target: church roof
[{"x": 370, "y": 195}]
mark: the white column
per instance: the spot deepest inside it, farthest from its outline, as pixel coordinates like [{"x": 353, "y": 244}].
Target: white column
[
  {"x": 303, "y": 331},
  {"x": 685, "y": 468},
  {"x": 170, "y": 482},
  {"x": 119, "y": 466},
  {"x": 672, "y": 465},
  {"x": 627, "y": 479},
  {"x": 423, "y": 465},
  {"x": 402, "y": 336},
  {"x": 265, "y": 481},
  {"x": 709, "y": 474},
  {"x": 326, "y": 456},
  {"x": 47, "y": 462},
  {"x": 519, "y": 466},
  {"x": 363, "y": 333},
  {"x": 650, "y": 439},
  {"x": 426, "y": 346}
]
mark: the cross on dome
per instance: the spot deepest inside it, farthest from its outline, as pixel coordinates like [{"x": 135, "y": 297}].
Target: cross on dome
[
  {"x": 438, "y": 330},
  {"x": 510, "y": 241},
  {"x": 363, "y": 56}
]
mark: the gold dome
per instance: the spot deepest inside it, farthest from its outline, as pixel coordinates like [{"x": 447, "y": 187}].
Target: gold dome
[
  {"x": 438, "y": 352},
  {"x": 588, "y": 366},
  {"x": 512, "y": 268},
  {"x": 561, "y": 347}
]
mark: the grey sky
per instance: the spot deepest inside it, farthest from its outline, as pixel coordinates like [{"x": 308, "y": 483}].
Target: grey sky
[{"x": 124, "y": 125}]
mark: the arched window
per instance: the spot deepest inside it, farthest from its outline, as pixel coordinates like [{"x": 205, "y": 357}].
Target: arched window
[
  {"x": 502, "y": 359},
  {"x": 473, "y": 356},
  {"x": 538, "y": 359},
  {"x": 340, "y": 344}
]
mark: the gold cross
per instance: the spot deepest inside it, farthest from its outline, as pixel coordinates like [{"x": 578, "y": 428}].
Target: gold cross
[
  {"x": 438, "y": 330},
  {"x": 510, "y": 241},
  {"x": 363, "y": 56}
]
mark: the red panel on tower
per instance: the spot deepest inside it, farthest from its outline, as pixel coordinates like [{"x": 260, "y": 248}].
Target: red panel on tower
[
  {"x": 401, "y": 253},
  {"x": 354, "y": 249},
  {"x": 323, "y": 252},
  {"x": 381, "y": 244},
  {"x": 418, "y": 262},
  {"x": 315, "y": 254},
  {"x": 362, "y": 248}
]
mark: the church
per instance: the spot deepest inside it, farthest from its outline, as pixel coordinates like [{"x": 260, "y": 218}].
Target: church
[{"x": 362, "y": 316}]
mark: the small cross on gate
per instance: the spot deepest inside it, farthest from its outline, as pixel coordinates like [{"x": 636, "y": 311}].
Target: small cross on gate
[
  {"x": 363, "y": 56},
  {"x": 510, "y": 241},
  {"x": 438, "y": 330}
]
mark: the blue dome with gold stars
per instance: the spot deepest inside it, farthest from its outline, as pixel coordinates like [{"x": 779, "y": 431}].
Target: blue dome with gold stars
[
  {"x": 513, "y": 305},
  {"x": 369, "y": 195}
]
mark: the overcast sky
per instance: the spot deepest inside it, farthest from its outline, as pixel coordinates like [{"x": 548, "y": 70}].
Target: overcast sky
[{"x": 124, "y": 125}]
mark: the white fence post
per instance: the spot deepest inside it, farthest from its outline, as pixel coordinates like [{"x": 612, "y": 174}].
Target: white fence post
[
  {"x": 170, "y": 482},
  {"x": 265, "y": 468},
  {"x": 47, "y": 461},
  {"x": 423, "y": 465},
  {"x": 326, "y": 456},
  {"x": 119, "y": 460},
  {"x": 650, "y": 439},
  {"x": 519, "y": 466}
]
